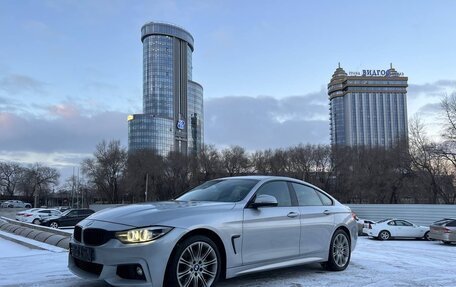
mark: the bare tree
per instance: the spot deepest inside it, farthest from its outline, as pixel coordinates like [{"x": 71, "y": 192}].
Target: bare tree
[
  {"x": 144, "y": 173},
  {"x": 449, "y": 107},
  {"x": 10, "y": 177},
  {"x": 106, "y": 168},
  {"x": 37, "y": 180},
  {"x": 427, "y": 160},
  {"x": 235, "y": 160},
  {"x": 177, "y": 175},
  {"x": 209, "y": 162}
]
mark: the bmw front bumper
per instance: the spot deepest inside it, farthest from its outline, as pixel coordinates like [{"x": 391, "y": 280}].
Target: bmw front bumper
[{"x": 110, "y": 260}]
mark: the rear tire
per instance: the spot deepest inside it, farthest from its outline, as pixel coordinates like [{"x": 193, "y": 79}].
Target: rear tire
[
  {"x": 339, "y": 252},
  {"x": 54, "y": 224},
  {"x": 384, "y": 235},
  {"x": 447, "y": 242},
  {"x": 426, "y": 236},
  {"x": 36, "y": 221},
  {"x": 195, "y": 260},
  {"x": 28, "y": 206}
]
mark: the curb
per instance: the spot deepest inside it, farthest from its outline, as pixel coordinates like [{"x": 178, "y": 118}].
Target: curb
[
  {"x": 39, "y": 233},
  {"x": 31, "y": 246}
]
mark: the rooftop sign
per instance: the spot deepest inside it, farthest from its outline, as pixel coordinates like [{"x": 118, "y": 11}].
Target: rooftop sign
[{"x": 375, "y": 73}]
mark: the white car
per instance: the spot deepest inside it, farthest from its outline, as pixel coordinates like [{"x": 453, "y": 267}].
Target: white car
[
  {"x": 19, "y": 214},
  {"x": 36, "y": 214},
  {"x": 16, "y": 204},
  {"x": 397, "y": 228}
]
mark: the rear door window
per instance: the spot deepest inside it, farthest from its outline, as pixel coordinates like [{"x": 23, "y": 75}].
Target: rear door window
[
  {"x": 307, "y": 196},
  {"x": 451, "y": 224}
]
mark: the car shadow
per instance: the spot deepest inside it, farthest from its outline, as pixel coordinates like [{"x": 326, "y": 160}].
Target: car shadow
[{"x": 287, "y": 273}]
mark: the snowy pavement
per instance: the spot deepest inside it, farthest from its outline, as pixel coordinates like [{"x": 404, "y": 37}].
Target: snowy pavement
[{"x": 374, "y": 263}]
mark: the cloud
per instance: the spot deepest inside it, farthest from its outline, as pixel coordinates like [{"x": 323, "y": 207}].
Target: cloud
[
  {"x": 16, "y": 84},
  {"x": 431, "y": 109},
  {"x": 436, "y": 89},
  {"x": 266, "y": 122},
  {"x": 67, "y": 132},
  {"x": 64, "y": 110}
]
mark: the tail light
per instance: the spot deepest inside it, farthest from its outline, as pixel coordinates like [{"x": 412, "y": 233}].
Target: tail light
[
  {"x": 27, "y": 215},
  {"x": 446, "y": 230},
  {"x": 354, "y": 215}
]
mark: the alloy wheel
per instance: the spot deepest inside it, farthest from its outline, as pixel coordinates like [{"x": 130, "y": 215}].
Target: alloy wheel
[
  {"x": 384, "y": 235},
  {"x": 340, "y": 250},
  {"x": 197, "y": 265},
  {"x": 54, "y": 225}
]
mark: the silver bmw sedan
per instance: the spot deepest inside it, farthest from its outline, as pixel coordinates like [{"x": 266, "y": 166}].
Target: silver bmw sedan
[{"x": 221, "y": 229}]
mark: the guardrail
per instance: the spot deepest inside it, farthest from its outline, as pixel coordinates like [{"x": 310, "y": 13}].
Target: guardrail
[{"x": 39, "y": 233}]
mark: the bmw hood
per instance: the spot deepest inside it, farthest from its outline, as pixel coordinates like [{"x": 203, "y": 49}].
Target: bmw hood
[{"x": 158, "y": 213}]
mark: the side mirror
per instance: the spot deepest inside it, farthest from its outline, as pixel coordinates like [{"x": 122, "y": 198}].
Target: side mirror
[{"x": 264, "y": 200}]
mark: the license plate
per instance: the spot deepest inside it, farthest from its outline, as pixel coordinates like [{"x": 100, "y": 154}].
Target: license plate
[{"x": 82, "y": 252}]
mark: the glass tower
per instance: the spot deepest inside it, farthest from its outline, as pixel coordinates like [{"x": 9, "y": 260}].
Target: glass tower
[
  {"x": 172, "y": 118},
  {"x": 368, "y": 109}
]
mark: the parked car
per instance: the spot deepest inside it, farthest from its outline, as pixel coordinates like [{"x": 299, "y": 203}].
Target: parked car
[
  {"x": 444, "y": 230},
  {"x": 62, "y": 208},
  {"x": 35, "y": 215},
  {"x": 16, "y": 204},
  {"x": 224, "y": 227},
  {"x": 362, "y": 223},
  {"x": 19, "y": 214},
  {"x": 68, "y": 218},
  {"x": 397, "y": 228}
]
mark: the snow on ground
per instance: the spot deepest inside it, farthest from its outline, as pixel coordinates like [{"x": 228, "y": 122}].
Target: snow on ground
[{"x": 374, "y": 263}]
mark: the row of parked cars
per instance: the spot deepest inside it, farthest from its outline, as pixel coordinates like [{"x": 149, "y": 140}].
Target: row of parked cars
[
  {"x": 443, "y": 230},
  {"x": 53, "y": 217},
  {"x": 15, "y": 204}
]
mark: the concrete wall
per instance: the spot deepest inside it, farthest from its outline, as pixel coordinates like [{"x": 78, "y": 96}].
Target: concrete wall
[{"x": 422, "y": 214}]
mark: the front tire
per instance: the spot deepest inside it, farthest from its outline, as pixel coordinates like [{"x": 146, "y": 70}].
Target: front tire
[
  {"x": 195, "y": 262},
  {"x": 339, "y": 252},
  {"x": 54, "y": 224},
  {"x": 384, "y": 235}
]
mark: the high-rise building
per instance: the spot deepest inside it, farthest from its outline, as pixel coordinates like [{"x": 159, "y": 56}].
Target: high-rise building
[
  {"x": 368, "y": 108},
  {"x": 172, "y": 118}
]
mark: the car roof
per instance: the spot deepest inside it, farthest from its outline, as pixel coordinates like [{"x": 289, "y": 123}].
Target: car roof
[{"x": 263, "y": 177}]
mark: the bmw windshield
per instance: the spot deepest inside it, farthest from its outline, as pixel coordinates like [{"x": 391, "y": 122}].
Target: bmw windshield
[{"x": 221, "y": 190}]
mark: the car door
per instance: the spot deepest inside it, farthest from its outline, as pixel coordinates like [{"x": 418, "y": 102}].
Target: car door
[
  {"x": 42, "y": 214},
  {"x": 408, "y": 229},
  {"x": 69, "y": 219},
  {"x": 82, "y": 215},
  {"x": 393, "y": 229},
  {"x": 271, "y": 233},
  {"x": 317, "y": 220}
]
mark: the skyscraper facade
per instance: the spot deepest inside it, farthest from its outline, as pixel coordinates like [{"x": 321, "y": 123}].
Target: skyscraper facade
[
  {"x": 172, "y": 118},
  {"x": 368, "y": 108}
]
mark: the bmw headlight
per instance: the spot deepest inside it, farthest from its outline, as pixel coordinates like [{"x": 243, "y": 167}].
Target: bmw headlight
[{"x": 141, "y": 235}]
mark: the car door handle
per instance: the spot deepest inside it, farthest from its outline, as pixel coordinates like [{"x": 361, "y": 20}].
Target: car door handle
[
  {"x": 327, "y": 212},
  {"x": 292, "y": 214}
]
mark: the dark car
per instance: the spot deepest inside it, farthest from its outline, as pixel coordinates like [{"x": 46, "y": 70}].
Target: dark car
[{"x": 68, "y": 218}]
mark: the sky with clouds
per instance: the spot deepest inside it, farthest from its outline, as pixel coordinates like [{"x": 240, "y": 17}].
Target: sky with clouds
[{"x": 71, "y": 71}]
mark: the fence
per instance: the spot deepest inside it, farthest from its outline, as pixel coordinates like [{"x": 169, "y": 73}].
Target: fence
[{"x": 422, "y": 214}]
